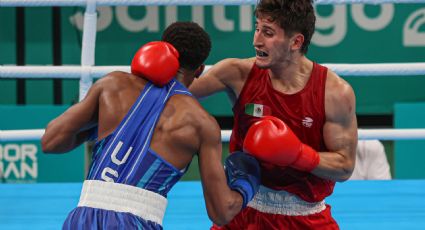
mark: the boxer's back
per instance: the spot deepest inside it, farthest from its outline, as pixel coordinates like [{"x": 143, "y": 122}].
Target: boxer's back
[{"x": 176, "y": 135}]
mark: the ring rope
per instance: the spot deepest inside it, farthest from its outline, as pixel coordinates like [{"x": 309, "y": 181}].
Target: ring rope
[
  {"x": 75, "y": 72},
  {"x": 363, "y": 134},
  {"x": 40, "y": 3}
]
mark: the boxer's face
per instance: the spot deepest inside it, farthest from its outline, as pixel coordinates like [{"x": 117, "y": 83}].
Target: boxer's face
[{"x": 272, "y": 46}]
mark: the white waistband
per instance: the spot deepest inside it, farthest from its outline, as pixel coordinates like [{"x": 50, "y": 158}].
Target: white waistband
[
  {"x": 281, "y": 202},
  {"x": 123, "y": 198}
]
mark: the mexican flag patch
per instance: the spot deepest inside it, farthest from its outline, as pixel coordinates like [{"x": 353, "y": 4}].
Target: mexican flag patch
[{"x": 257, "y": 110}]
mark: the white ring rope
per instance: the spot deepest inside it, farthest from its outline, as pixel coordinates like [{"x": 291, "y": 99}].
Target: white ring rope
[
  {"x": 363, "y": 134},
  {"x": 370, "y": 134},
  {"x": 39, "y": 3},
  {"x": 75, "y": 72},
  {"x": 21, "y": 135},
  {"x": 63, "y": 72}
]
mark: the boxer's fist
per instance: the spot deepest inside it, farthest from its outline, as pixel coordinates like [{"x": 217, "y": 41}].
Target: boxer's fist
[
  {"x": 271, "y": 140},
  {"x": 158, "y": 62},
  {"x": 243, "y": 175}
]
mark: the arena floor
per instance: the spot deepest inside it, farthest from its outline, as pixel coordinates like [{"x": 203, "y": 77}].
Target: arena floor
[{"x": 395, "y": 204}]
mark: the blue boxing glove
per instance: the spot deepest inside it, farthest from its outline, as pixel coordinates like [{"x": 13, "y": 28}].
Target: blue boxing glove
[{"x": 243, "y": 175}]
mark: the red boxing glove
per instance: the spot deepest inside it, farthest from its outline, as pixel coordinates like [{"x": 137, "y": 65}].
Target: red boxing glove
[
  {"x": 272, "y": 141},
  {"x": 158, "y": 62}
]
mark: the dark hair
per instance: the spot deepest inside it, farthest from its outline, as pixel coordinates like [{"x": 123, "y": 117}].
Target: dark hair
[
  {"x": 293, "y": 16},
  {"x": 192, "y": 42}
]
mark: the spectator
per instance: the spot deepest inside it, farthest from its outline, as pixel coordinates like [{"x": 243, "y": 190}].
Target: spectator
[{"x": 371, "y": 161}]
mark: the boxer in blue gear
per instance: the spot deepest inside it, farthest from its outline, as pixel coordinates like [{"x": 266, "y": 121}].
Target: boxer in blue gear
[
  {"x": 147, "y": 137},
  {"x": 124, "y": 157}
]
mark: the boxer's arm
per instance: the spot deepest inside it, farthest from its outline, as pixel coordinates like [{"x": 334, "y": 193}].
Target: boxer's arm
[
  {"x": 227, "y": 75},
  {"x": 222, "y": 203},
  {"x": 74, "y": 126},
  {"x": 339, "y": 132}
]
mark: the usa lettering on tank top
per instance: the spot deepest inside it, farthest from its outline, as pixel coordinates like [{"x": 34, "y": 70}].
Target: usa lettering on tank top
[{"x": 303, "y": 112}]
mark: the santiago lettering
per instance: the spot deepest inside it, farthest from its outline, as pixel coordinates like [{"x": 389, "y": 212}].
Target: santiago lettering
[{"x": 336, "y": 22}]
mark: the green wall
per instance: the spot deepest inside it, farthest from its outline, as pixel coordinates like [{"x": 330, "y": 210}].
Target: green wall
[
  {"x": 344, "y": 34},
  {"x": 409, "y": 155}
]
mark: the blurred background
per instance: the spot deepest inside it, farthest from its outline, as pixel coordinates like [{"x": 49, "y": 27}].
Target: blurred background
[{"x": 388, "y": 33}]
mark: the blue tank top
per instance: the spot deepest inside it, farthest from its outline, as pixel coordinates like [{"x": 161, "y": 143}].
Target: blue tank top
[{"x": 125, "y": 156}]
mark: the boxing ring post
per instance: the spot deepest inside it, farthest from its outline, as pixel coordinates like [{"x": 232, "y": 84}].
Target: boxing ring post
[{"x": 88, "y": 47}]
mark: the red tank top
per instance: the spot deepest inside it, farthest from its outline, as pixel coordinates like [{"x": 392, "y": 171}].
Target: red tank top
[{"x": 303, "y": 112}]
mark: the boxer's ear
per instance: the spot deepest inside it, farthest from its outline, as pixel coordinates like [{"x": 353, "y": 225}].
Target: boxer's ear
[{"x": 199, "y": 70}]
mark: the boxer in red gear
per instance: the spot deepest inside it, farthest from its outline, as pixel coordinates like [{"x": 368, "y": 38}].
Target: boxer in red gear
[{"x": 314, "y": 102}]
